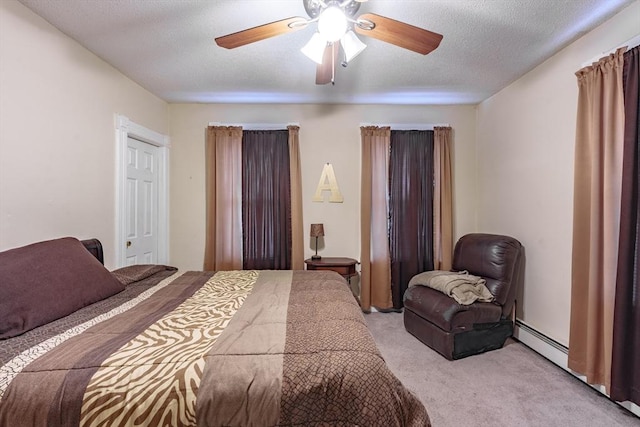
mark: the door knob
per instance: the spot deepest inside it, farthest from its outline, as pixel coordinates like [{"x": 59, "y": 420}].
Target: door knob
[{"x": 128, "y": 243}]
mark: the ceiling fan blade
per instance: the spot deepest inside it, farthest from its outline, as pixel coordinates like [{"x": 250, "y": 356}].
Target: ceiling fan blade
[
  {"x": 325, "y": 71},
  {"x": 261, "y": 32},
  {"x": 399, "y": 33}
]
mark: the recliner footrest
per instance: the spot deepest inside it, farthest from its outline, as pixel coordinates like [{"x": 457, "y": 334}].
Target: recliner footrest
[{"x": 483, "y": 337}]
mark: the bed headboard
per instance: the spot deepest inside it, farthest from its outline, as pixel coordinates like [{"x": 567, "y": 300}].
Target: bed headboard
[{"x": 95, "y": 247}]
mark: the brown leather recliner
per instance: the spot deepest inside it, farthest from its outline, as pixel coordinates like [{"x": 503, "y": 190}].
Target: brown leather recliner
[{"x": 458, "y": 331}]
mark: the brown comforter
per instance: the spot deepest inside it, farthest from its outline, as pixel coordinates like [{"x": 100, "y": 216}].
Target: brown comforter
[{"x": 231, "y": 348}]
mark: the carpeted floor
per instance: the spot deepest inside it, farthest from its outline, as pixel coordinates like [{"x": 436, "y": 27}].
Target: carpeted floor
[{"x": 513, "y": 386}]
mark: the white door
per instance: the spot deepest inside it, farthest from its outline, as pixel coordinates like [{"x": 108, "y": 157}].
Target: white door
[{"x": 141, "y": 203}]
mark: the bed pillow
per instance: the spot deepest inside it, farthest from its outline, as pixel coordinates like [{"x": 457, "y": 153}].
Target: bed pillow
[
  {"x": 45, "y": 281},
  {"x": 137, "y": 272}
]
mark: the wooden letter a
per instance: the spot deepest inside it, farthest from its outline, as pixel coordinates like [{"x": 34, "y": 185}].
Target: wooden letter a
[{"x": 328, "y": 183}]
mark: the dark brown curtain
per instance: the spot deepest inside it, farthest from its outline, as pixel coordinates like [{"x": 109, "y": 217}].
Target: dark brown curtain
[
  {"x": 625, "y": 366},
  {"x": 266, "y": 200},
  {"x": 410, "y": 208}
]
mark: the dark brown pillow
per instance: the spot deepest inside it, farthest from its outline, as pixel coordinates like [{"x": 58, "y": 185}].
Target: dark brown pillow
[
  {"x": 45, "y": 281},
  {"x": 137, "y": 272}
]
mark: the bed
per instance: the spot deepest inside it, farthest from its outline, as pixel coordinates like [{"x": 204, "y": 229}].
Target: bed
[{"x": 151, "y": 345}]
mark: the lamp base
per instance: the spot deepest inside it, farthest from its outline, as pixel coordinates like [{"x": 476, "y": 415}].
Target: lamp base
[{"x": 316, "y": 257}]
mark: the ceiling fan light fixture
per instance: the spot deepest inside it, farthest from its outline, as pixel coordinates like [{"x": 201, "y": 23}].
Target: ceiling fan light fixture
[
  {"x": 351, "y": 45},
  {"x": 314, "y": 49},
  {"x": 336, "y": 22},
  {"x": 332, "y": 23}
]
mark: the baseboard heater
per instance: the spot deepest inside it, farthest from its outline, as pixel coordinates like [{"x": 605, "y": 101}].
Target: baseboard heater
[
  {"x": 542, "y": 337},
  {"x": 558, "y": 354}
]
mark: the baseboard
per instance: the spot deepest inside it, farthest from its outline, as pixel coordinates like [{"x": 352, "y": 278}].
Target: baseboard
[{"x": 557, "y": 354}]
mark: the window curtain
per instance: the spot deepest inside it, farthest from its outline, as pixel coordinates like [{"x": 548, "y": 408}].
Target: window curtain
[
  {"x": 223, "y": 242},
  {"x": 375, "y": 271},
  {"x": 266, "y": 200},
  {"x": 224, "y": 167},
  {"x": 295, "y": 172},
  {"x": 597, "y": 196},
  {"x": 625, "y": 375},
  {"x": 442, "y": 199},
  {"x": 410, "y": 208}
]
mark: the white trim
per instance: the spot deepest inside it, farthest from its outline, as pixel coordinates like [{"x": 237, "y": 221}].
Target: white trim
[
  {"x": 257, "y": 126},
  {"x": 125, "y": 129},
  {"x": 558, "y": 355},
  {"x": 631, "y": 43},
  {"x": 409, "y": 126},
  {"x": 529, "y": 336}
]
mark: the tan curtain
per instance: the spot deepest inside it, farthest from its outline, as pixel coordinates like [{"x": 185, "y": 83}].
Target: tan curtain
[
  {"x": 442, "y": 199},
  {"x": 375, "y": 280},
  {"x": 596, "y": 217},
  {"x": 223, "y": 152},
  {"x": 297, "y": 238}
]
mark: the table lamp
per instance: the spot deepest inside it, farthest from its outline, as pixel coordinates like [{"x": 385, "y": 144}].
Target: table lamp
[{"x": 317, "y": 230}]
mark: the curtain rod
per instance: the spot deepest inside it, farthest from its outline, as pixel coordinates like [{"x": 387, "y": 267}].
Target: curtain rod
[
  {"x": 257, "y": 126},
  {"x": 631, "y": 43},
  {"x": 410, "y": 126}
]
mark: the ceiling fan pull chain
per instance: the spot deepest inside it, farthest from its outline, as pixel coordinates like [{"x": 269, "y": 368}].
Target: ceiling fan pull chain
[{"x": 333, "y": 64}]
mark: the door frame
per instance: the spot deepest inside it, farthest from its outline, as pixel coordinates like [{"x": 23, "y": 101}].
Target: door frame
[{"x": 125, "y": 129}]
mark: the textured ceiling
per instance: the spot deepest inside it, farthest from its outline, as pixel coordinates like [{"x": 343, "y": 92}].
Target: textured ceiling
[{"x": 168, "y": 48}]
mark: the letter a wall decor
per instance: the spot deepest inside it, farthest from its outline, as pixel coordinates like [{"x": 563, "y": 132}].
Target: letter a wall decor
[{"x": 328, "y": 182}]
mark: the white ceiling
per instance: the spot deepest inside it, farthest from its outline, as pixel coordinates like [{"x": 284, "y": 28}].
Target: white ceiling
[{"x": 167, "y": 47}]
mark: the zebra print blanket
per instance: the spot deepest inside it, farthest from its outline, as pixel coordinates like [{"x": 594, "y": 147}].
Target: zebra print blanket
[{"x": 209, "y": 349}]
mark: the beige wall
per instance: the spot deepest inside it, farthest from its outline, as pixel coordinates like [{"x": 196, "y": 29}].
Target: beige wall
[
  {"x": 526, "y": 137},
  {"x": 57, "y": 133},
  {"x": 328, "y": 133}
]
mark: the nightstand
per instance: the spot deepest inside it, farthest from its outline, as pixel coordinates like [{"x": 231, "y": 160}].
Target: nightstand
[{"x": 346, "y": 267}]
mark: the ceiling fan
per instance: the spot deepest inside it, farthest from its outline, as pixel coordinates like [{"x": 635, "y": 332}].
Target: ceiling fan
[{"x": 336, "y": 27}]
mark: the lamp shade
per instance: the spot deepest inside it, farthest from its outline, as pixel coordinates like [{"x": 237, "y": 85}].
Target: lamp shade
[
  {"x": 332, "y": 23},
  {"x": 317, "y": 230},
  {"x": 314, "y": 49},
  {"x": 351, "y": 45}
]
